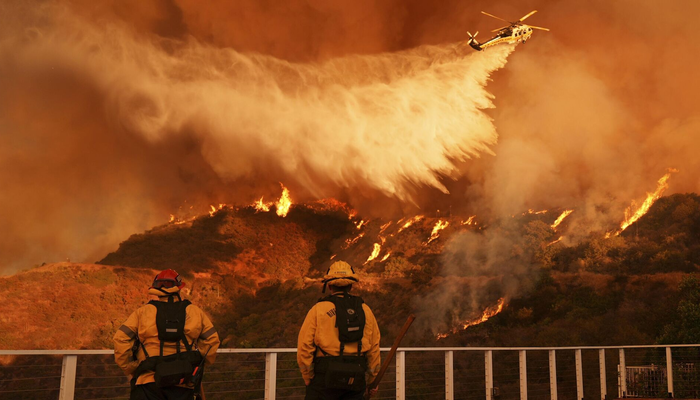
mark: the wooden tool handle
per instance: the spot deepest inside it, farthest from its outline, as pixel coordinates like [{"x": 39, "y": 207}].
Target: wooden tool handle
[{"x": 391, "y": 354}]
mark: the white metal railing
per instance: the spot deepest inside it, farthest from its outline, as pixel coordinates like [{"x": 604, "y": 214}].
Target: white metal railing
[{"x": 70, "y": 363}]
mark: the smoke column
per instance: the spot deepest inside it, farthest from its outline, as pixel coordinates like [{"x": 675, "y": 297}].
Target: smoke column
[{"x": 98, "y": 107}]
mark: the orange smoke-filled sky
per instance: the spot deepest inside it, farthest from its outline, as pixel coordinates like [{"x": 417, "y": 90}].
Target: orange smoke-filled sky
[{"x": 588, "y": 116}]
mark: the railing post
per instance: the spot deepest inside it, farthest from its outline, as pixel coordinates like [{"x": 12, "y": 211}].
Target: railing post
[
  {"x": 449, "y": 375},
  {"x": 553, "y": 374},
  {"x": 270, "y": 376},
  {"x": 488, "y": 369},
  {"x": 669, "y": 371},
  {"x": 522, "y": 358},
  {"x": 400, "y": 375},
  {"x": 603, "y": 378},
  {"x": 622, "y": 375},
  {"x": 70, "y": 364},
  {"x": 579, "y": 375}
]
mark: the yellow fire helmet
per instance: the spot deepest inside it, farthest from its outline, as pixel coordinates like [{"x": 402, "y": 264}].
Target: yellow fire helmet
[{"x": 340, "y": 273}]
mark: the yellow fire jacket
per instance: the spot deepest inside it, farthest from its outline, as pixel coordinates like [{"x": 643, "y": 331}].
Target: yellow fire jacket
[
  {"x": 319, "y": 331},
  {"x": 142, "y": 323}
]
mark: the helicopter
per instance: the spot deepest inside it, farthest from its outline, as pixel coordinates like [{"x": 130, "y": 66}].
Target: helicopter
[{"x": 514, "y": 32}]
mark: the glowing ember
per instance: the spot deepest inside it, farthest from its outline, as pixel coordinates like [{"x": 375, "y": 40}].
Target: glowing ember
[
  {"x": 440, "y": 225},
  {"x": 556, "y": 241},
  {"x": 383, "y": 227},
  {"x": 531, "y": 211},
  {"x": 177, "y": 221},
  {"x": 561, "y": 218},
  {"x": 661, "y": 187},
  {"x": 284, "y": 203},
  {"x": 385, "y": 257},
  {"x": 375, "y": 252},
  {"x": 350, "y": 242},
  {"x": 333, "y": 256},
  {"x": 411, "y": 222},
  {"x": 352, "y": 214},
  {"x": 261, "y": 206},
  {"x": 469, "y": 220},
  {"x": 488, "y": 313},
  {"x": 359, "y": 224}
]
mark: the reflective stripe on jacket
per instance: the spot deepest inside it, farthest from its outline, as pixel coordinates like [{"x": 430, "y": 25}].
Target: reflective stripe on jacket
[
  {"x": 319, "y": 331},
  {"x": 198, "y": 328}
]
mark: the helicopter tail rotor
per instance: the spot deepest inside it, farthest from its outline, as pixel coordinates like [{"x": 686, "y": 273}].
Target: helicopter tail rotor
[{"x": 472, "y": 38}]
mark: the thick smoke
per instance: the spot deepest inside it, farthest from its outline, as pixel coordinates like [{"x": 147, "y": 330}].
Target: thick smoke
[
  {"x": 589, "y": 116},
  {"x": 384, "y": 123},
  {"x": 96, "y": 143}
]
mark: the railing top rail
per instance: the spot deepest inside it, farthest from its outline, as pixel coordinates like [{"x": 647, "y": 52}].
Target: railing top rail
[{"x": 293, "y": 350}]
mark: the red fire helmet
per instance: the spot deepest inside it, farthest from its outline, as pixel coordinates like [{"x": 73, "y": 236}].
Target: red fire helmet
[{"x": 166, "y": 279}]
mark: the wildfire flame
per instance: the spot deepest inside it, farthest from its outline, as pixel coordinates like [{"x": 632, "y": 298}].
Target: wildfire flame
[
  {"x": 531, "y": 211},
  {"x": 440, "y": 225},
  {"x": 555, "y": 241},
  {"x": 385, "y": 257},
  {"x": 383, "y": 227},
  {"x": 488, "y": 313},
  {"x": 375, "y": 252},
  {"x": 469, "y": 220},
  {"x": 215, "y": 209},
  {"x": 350, "y": 242},
  {"x": 360, "y": 224},
  {"x": 661, "y": 187},
  {"x": 561, "y": 218},
  {"x": 410, "y": 222},
  {"x": 284, "y": 203},
  {"x": 177, "y": 221},
  {"x": 261, "y": 206}
]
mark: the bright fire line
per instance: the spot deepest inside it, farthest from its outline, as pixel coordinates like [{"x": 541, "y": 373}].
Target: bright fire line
[
  {"x": 375, "y": 252},
  {"x": 630, "y": 217},
  {"x": 561, "y": 218},
  {"x": 411, "y": 222},
  {"x": 440, "y": 225},
  {"x": 488, "y": 313}
]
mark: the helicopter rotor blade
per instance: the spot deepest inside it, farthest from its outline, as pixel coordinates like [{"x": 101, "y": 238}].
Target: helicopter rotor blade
[
  {"x": 527, "y": 16},
  {"x": 539, "y": 27},
  {"x": 496, "y": 30},
  {"x": 493, "y": 16}
]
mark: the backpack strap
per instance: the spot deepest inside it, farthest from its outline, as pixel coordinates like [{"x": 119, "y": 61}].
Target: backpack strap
[{"x": 164, "y": 332}]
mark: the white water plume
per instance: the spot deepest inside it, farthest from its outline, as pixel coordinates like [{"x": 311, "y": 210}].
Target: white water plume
[{"x": 384, "y": 122}]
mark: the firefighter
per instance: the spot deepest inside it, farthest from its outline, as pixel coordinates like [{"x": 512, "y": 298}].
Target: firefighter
[
  {"x": 338, "y": 345},
  {"x": 165, "y": 344}
]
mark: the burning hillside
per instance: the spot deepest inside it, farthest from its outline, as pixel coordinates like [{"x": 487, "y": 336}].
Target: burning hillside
[
  {"x": 239, "y": 263},
  {"x": 180, "y": 120}
]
